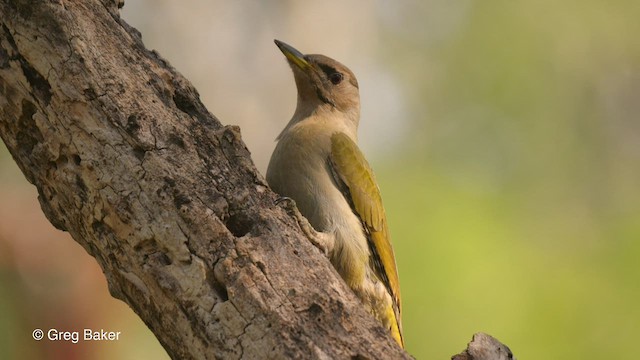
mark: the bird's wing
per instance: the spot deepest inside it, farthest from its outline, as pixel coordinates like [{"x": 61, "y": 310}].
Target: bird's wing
[{"x": 354, "y": 177}]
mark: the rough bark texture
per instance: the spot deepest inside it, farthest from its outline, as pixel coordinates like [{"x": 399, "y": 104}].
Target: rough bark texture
[
  {"x": 485, "y": 347},
  {"x": 127, "y": 159}
]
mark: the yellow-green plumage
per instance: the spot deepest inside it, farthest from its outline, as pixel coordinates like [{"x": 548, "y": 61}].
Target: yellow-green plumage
[{"x": 354, "y": 171}]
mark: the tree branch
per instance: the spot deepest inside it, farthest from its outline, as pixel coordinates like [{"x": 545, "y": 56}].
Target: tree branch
[
  {"x": 484, "y": 347},
  {"x": 127, "y": 159}
]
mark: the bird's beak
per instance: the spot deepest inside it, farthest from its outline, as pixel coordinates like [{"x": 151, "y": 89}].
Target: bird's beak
[{"x": 293, "y": 55}]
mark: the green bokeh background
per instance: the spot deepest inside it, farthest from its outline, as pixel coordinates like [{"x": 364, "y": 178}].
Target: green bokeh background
[
  {"x": 514, "y": 195},
  {"x": 518, "y": 212}
]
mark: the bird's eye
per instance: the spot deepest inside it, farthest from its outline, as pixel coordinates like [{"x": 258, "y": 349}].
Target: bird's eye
[{"x": 336, "y": 78}]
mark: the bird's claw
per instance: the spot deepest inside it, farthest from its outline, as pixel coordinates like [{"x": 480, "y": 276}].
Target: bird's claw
[
  {"x": 319, "y": 239},
  {"x": 285, "y": 199}
]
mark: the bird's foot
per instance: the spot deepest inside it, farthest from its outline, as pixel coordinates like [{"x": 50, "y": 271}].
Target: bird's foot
[{"x": 323, "y": 241}]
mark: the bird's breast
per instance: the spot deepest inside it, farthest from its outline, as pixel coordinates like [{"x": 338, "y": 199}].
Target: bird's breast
[{"x": 299, "y": 169}]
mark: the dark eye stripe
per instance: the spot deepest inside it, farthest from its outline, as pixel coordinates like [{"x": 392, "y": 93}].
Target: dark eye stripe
[{"x": 327, "y": 69}]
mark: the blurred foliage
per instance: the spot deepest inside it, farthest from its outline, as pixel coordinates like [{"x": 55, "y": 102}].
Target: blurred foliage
[
  {"x": 514, "y": 201},
  {"x": 517, "y": 211}
]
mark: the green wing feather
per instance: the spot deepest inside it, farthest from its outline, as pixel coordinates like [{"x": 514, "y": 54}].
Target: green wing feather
[{"x": 352, "y": 171}]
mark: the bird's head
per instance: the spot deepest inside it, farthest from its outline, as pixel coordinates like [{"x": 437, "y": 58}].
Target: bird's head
[{"x": 323, "y": 83}]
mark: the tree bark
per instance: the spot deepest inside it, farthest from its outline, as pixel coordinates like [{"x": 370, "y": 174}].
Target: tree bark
[
  {"x": 484, "y": 347},
  {"x": 127, "y": 159}
]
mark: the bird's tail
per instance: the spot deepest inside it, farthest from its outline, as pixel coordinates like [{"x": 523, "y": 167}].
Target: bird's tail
[{"x": 396, "y": 325}]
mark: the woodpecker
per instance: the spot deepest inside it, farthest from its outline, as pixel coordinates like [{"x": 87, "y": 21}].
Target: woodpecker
[{"x": 318, "y": 164}]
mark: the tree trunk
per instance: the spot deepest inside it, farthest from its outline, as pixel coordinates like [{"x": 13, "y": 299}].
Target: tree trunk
[{"x": 127, "y": 159}]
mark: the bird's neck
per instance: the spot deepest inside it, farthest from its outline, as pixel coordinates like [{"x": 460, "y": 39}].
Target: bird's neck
[{"x": 333, "y": 119}]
